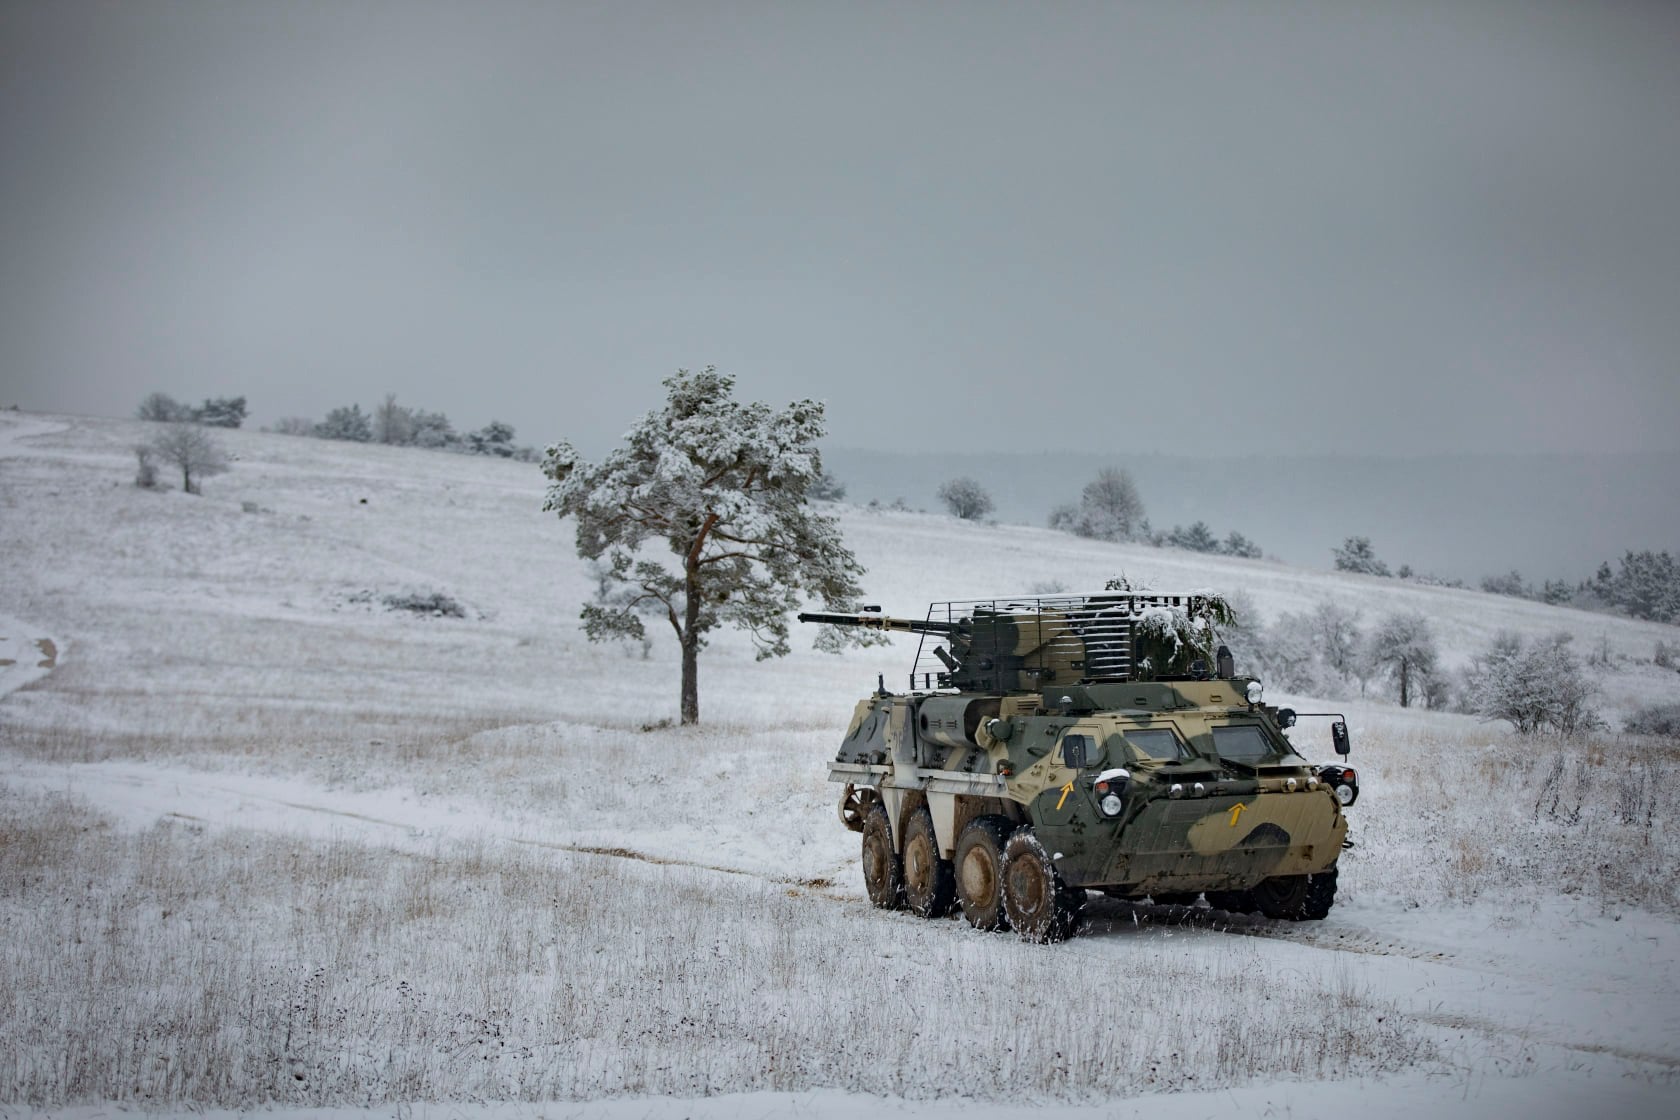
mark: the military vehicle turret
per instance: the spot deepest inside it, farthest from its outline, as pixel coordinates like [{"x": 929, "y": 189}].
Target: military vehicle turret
[{"x": 1050, "y": 746}]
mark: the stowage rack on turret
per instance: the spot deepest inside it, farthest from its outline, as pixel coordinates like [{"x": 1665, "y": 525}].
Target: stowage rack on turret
[{"x": 1024, "y": 644}]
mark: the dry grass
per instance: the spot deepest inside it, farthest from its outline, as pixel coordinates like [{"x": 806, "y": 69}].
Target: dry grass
[
  {"x": 1444, "y": 817},
  {"x": 187, "y": 967}
]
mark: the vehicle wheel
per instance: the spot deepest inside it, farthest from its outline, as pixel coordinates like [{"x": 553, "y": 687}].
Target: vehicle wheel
[
  {"x": 929, "y": 883},
  {"x": 883, "y": 877},
  {"x": 979, "y": 868},
  {"x": 1281, "y": 896},
  {"x": 1039, "y": 905},
  {"x": 1298, "y": 898},
  {"x": 1233, "y": 902},
  {"x": 1175, "y": 898}
]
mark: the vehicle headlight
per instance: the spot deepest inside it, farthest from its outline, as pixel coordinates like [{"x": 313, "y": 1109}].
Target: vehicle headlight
[
  {"x": 1254, "y": 691},
  {"x": 1175, "y": 790},
  {"x": 1346, "y": 793},
  {"x": 1111, "y": 805}
]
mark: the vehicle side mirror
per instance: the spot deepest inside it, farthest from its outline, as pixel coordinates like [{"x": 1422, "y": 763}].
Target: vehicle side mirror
[{"x": 1339, "y": 736}]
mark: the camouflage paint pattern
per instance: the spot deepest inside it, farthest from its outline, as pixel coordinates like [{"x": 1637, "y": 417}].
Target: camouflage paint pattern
[{"x": 1228, "y": 827}]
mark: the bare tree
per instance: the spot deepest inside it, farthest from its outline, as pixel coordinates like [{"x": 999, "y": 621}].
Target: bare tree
[
  {"x": 162, "y": 407},
  {"x": 1109, "y": 509},
  {"x": 192, "y": 449},
  {"x": 392, "y": 423},
  {"x": 965, "y": 498},
  {"x": 1403, "y": 646}
]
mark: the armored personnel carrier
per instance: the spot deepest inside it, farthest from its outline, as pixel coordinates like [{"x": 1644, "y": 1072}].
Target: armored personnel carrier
[{"x": 1050, "y": 746}]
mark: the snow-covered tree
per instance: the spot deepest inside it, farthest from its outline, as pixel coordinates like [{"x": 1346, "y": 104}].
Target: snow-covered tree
[
  {"x": 432, "y": 429},
  {"x": 725, "y": 486},
  {"x": 1288, "y": 658},
  {"x": 1536, "y": 686},
  {"x": 1238, "y": 545},
  {"x": 1403, "y": 646},
  {"x": 1511, "y": 583},
  {"x": 1335, "y": 631},
  {"x": 1357, "y": 555},
  {"x": 965, "y": 498},
  {"x": 1647, "y": 585},
  {"x": 495, "y": 438},
  {"x": 221, "y": 412},
  {"x": 348, "y": 422},
  {"x": 191, "y": 449},
  {"x": 827, "y": 488},
  {"x": 392, "y": 423},
  {"x": 1196, "y": 538},
  {"x": 162, "y": 407},
  {"x": 1109, "y": 509}
]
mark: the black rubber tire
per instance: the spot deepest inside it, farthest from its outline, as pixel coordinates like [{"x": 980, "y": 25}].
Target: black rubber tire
[
  {"x": 979, "y": 871},
  {"x": 1175, "y": 898},
  {"x": 1281, "y": 896},
  {"x": 1298, "y": 898},
  {"x": 883, "y": 875},
  {"x": 1040, "y": 906},
  {"x": 930, "y": 883},
  {"x": 1233, "y": 902}
]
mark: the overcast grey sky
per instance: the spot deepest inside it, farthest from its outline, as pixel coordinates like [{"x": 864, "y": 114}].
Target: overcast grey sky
[{"x": 1344, "y": 227}]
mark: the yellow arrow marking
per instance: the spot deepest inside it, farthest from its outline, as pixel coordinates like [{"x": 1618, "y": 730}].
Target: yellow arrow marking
[
  {"x": 1067, "y": 789},
  {"x": 1236, "y": 811}
]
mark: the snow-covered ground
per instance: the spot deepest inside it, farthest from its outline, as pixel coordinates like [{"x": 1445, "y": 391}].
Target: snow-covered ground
[{"x": 270, "y": 843}]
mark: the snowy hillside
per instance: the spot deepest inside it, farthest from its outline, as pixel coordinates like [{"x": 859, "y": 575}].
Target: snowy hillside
[{"x": 273, "y": 840}]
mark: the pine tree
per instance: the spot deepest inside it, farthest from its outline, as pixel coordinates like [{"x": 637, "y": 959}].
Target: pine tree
[{"x": 725, "y": 486}]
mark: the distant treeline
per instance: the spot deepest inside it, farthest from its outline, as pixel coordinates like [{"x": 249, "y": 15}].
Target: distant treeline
[
  {"x": 1644, "y": 585},
  {"x": 388, "y": 423}
]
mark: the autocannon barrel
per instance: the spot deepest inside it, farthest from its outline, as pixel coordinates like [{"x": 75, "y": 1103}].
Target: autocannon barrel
[{"x": 883, "y": 622}]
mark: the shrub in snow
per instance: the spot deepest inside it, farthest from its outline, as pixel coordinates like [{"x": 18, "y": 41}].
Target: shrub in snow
[
  {"x": 1319, "y": 653},
  {"x": 725, "y": 486},
  {"x": 495, "y": 438},
  {"x": 1109, "y": 509},
  {"x": 1656, "y": 719},
  {"x": 145, "y": 476},
  {"x": 221, "y": 412},
  {"x": 1511, "y": 583},
  {"x": 432, "y": 429},
  {"x": 434, "y": 603},
  {"x": 1238, "y": 545},
  {"x": 1663, "y": 657},
  {"x": 348, "y": 423},
  {"x": 965, "y": 498},
  {"x": 163, "y": 408},
  {"x": 1535, "y": 686},
  {"x": 827, "y": 488}
]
